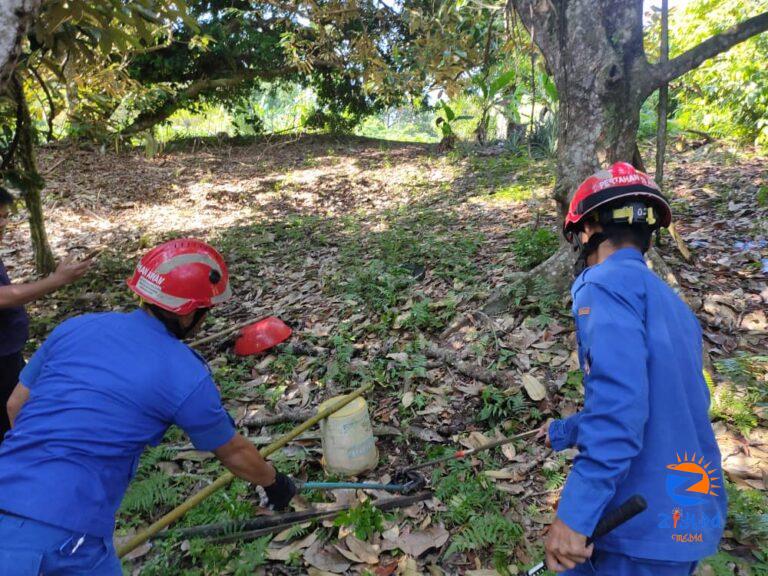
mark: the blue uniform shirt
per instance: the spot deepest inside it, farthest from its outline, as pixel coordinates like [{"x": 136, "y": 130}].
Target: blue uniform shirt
[
  {"x": 644, "y": 428},
  {"x": 14, "y": 324},
  {"x": 102, "y": 387}
]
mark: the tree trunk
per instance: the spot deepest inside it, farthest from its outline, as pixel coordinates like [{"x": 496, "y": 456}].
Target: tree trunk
[
  {"x": 15, "y": 17},
  {"x": 595, "y": 53},
  {"x": 661, "y": 128},
  {"x": 31, "y": 184}
]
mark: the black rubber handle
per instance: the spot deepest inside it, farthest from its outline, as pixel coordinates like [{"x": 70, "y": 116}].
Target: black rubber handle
[
  {"x": 616, "y": 517},
  {"x": 610, "y": 520}
]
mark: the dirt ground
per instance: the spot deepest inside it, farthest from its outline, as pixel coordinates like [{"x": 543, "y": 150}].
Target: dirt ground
[{"x": 318, "y": 231}]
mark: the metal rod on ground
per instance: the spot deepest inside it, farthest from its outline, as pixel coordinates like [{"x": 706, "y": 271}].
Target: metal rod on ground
[
  {"x": 459, "y": 454},
  {"x": 411, "y": 482},
  {"x": 267, "y": 524},
  {"x": 353, "y": 486},
  {"x": 226, "y": 478},
  {"x": 225, "y": 332}
]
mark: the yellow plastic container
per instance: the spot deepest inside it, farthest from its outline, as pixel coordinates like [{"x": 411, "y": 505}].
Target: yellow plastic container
[{"x": 349, "y": 447}]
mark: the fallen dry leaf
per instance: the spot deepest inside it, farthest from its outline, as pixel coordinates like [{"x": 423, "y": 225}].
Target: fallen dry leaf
[
  {"x": 425, "y": 434},
  {"x": 348, "y": 554},
  {"x": 401, "y": 357},
  {"x": 509, "y": 451},
  {"x": 284, "y": 554},
  {"x": 474, "y": 440},
  {"x": 326, "y": 558},
  {"x": 386, "y": 569},
  {"x": 368, "y": 553},
  {"x": 194, "y": 455},
  {"x": 416, "y": 543},
  {"x": 408, "y": 567},
  {"x": 503, "y": 474},
  {"x": 312, "y": 571},
  {"x": 535, "y": 389}
]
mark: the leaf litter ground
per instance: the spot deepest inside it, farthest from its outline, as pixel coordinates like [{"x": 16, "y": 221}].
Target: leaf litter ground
[{"x": 369, "y": 250}]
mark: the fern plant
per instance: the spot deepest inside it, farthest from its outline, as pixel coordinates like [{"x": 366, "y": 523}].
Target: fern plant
[
  {"x": 748, "y": 512},
  {"x": 465, "y": 493},
  {"x": 499, "y": 405},
  {"x": 252, "y": 555},
  {"x": 484, "y": 531},
  {"x": 148, "y": 494}
]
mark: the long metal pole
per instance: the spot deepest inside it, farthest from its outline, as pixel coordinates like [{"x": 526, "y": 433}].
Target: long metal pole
[
  {"x": 464, "y": 453},
  {"x": 226, "y": 478}
]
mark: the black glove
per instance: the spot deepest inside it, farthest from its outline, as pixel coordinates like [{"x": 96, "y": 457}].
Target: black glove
[{"x": 280, "y": 492}]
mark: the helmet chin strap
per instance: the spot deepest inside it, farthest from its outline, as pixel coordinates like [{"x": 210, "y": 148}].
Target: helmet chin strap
[
  {"x": 586, "y": 249},
  {"x": 171, "y": 322}
]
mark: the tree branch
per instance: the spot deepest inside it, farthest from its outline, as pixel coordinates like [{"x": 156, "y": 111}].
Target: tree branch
[
  {"x": 539, "y": 16},
  {"x": 51, "y": 105},
  {"x": 662, "y": 73},
  {"x": 149, "y": 118}
]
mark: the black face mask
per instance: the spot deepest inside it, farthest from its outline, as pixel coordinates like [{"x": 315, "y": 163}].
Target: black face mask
[{"x": 586, "y": 250}]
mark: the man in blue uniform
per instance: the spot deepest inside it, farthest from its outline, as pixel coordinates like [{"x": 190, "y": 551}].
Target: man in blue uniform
[
  {"x": 644, "y": 428},
  {"x": 14, "y": 325},
  {"x": 100, "y": 389}
]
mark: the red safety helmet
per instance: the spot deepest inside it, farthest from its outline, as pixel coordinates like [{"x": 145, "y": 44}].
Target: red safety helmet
[
  {"x": 261, "y": 336},
  {"x": 182, "y": 276},
  {"x": 621, "y": 180}
]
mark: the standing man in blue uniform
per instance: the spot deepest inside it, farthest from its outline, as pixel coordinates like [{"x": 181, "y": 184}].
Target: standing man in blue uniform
[
  {"x": 100, "y": 389},
  {"x": 644, "y": 428},
  {"x": 14, "y": 325}
]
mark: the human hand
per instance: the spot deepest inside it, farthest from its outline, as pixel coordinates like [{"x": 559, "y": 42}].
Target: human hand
[
  {"x": 70, "y": 270},
  {"x": 543, "y": 432},
  {"x": 280, "y": 492},
  {"x": 565, "y": 548}
]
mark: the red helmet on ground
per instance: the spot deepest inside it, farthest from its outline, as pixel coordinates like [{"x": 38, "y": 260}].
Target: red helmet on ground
[
  {"x": 621, "y": 180},
  {"x": 182, "y": 276}
]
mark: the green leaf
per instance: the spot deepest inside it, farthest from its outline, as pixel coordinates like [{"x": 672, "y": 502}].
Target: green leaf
[
  {"x": 549, "y": 87},
  {"x": 501, "y": 82},
  {"x": 449, "y": 113}
]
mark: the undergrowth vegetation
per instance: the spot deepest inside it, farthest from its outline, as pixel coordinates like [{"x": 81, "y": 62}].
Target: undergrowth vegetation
[
  {"x": 390, "y": 281},
  {"x": 477, "y": 509},
  {"x": 744, "y": 388}
]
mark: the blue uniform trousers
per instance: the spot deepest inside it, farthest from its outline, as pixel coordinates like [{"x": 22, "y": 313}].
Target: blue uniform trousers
[
  {"x": 32, "y": 548},
  {"x": 605, "y": 563}
]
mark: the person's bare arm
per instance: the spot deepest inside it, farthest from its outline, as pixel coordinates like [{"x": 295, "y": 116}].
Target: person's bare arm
[
  {"x": 243, "y": 459},
  {"x": 19, "y": 294},
  {"x": 18, "y": 398}
]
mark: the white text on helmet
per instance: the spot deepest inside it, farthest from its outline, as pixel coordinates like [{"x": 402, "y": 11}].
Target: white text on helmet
[
  {"x": 149, "y": 274},
  {"x": 620, "y": 180}
]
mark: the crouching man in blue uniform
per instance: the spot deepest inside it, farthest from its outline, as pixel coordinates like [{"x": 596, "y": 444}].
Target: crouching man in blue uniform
[
  {"x": 644, "y": 428},
  {"x": 100, "y": 389}
]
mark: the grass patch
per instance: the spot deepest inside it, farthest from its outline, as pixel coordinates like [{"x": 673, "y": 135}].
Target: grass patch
[
  {"x": 532, "y": 246},
  {"x": 380, "y": 269},
  {"x": 511, "y": 177}
]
